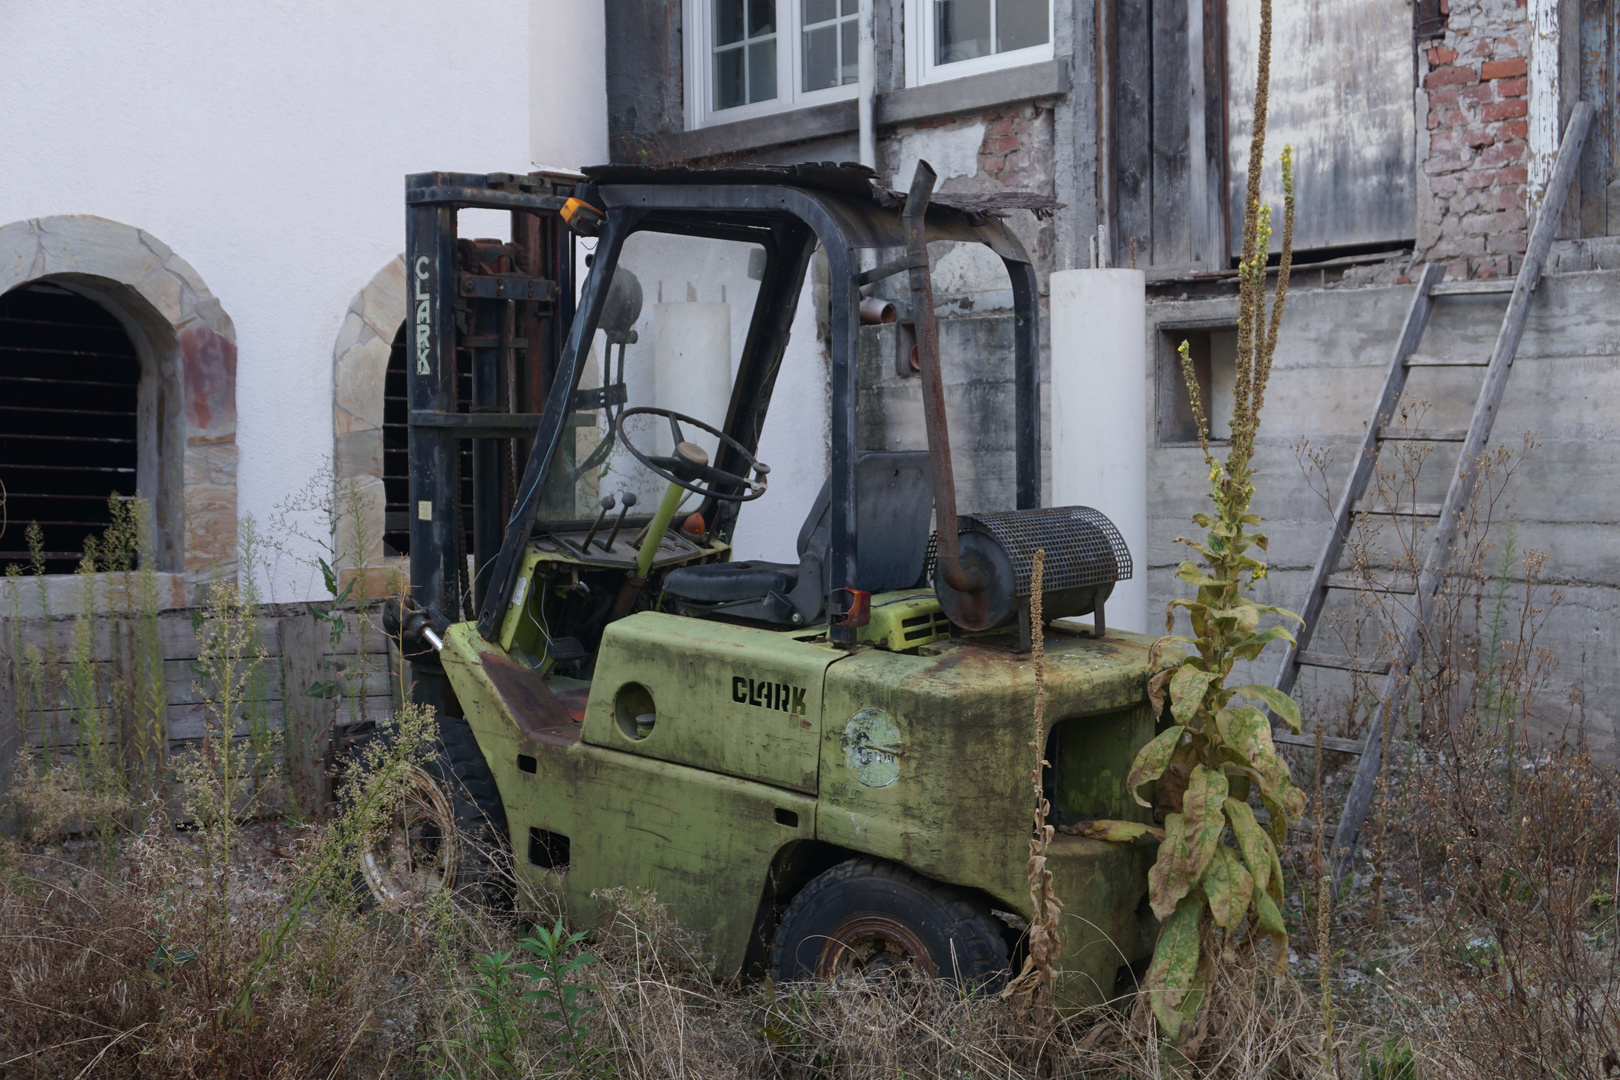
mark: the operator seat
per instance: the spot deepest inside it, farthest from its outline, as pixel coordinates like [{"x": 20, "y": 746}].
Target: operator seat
[{"x": 894, "y": 504}]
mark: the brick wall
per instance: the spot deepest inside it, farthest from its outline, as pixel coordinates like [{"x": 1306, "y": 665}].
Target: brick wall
[{"x": 1472, "y": 188}]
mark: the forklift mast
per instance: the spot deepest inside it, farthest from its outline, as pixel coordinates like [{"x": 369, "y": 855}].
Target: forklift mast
[{"x": 488, "y": 321}]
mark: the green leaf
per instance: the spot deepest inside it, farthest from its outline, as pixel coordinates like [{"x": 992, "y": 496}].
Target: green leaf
[
  {"x": 1117, "y": 832},
  {"x": 329, "y": 575},
  {"x": 1173, "y": 984},
  {"x": 1281, "y": 705},
  {"x": 1250, "y": 647},
  {"x": 1167, "y": 880},
  {"x": 1190, "y": 838},
  {"x": 1271, "y": 921},
  {"x": 1252, "y": 842},
  {"x": 1192, "y": 575},
  {"x": 1187, "y": 689},
  {"x": 1202, "y": 807},
  {"x": 1243, "y": 729},
  {"x": 1152, "y": 760},
  {"x": 1229, "y": 888},
  {"x": 1244, "y": 616}
]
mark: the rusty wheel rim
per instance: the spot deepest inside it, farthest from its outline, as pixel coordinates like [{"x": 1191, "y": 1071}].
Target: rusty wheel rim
[
  {"x": 415, "y": 852},
  {"x": 874, "y": 945}
]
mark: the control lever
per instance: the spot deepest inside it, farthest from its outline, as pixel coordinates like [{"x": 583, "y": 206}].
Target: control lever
[
  {"x": 607, "y": 504},
  {"x": 629, "y": 501}
]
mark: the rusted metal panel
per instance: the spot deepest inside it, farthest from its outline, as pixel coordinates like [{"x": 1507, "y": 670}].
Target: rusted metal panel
[{"x": 1342, "y": 94}]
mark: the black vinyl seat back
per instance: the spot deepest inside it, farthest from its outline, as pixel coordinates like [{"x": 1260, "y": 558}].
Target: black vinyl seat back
[{"x": 894, "y": 509}]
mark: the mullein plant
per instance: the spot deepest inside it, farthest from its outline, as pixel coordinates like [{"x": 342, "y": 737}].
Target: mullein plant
[{"x": 1216, "y": 885}]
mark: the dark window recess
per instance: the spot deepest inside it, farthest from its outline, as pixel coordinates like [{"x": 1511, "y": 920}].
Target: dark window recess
[
  {"x": 396, "y": 461},
  {"x": 527, "y": 764},
  {"x": 1428, "y": 20},
  {"x": 1214, "y": 361},
  {"x": 787, "y": 817},
  {"x": 69, "y": 377},
  {"x": 548, "y": 850}
]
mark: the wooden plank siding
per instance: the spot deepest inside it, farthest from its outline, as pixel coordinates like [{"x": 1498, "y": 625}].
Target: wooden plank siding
[
  {"x": 1168, "y": 141},
  {"x": 1342, "y": 94},
  {"x": 43, "y": 718},
  {"x": 1598, "y": 206}
]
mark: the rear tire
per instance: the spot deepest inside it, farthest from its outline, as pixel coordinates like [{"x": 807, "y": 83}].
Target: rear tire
[
  {"x": 873, "y": 918},
  {"x": 449, "y": 833}
]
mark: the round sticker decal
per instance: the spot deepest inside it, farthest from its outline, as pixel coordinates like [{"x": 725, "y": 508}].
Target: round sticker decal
[{"x": 872, "y": 747}]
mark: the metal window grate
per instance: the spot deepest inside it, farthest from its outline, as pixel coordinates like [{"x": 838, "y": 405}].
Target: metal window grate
[{"x": 69, "y": 380}]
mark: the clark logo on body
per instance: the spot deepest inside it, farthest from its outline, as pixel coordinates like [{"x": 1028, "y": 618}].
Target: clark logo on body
[
  {"x": 768, "y": 695},
  {"x": 424, "y": 318}
]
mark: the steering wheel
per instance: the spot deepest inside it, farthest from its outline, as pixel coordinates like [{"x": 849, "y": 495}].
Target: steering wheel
[{"x": 690, "y": 462}]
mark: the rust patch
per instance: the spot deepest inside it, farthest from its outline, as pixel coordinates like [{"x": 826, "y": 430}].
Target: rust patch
[
  {"x": 540, "y": 717},
  {"x": 210, "y": 372},
  {"x": 574, "y": 701}
]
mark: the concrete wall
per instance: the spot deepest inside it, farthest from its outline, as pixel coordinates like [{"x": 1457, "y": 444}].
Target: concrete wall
[
  {"x": 266, "y": 145},
  {"x": 1564, "y": 500}
]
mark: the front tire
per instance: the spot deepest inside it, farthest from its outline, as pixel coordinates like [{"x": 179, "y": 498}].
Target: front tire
[
  {"x": 448, "y": 833},
  {"x": 872, "y": 918}
]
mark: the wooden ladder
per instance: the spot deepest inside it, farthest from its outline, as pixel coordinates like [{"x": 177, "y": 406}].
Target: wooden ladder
[{"x": 1408, "y": 643}]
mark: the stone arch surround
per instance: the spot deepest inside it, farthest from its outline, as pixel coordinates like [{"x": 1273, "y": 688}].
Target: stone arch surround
[
  {"x": 187, "y": 346},
  {"x": 359, "y": 368}
]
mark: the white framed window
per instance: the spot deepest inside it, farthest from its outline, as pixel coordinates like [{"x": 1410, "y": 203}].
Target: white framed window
[
  {"x": 747, "y": 58},
  {"x": 949, "y": 39}
]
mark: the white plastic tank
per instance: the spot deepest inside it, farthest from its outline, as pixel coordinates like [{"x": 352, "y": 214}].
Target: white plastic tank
[
  {"x": 692, "y": 367},
  {"x": 1099, "y": 414}
]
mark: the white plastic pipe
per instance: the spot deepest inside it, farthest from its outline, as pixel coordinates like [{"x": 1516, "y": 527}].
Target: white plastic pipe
[
  {"x": 1099, "y": 414},
  {"x": 692, "y": 367}
]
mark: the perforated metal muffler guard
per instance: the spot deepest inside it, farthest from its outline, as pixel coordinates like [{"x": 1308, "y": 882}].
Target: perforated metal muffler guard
[{"x": 1085, "y": 555}]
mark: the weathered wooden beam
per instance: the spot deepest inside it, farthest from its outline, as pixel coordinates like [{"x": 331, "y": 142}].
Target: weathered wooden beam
[{"x": 308, "y": 730}]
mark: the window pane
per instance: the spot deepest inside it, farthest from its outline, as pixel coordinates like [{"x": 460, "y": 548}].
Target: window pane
[
  {"x": 730, "y": 90},
  {"x": 728, "y": 21},
  {"x": 852, "y": 7},
  {"x": 851, "y": 59},
  {"x": 762, "y": 71},
  {"x": 961, "y": 30},
  {"x": 761, "y": 18},
  {"x": 819, "y": 11},
  {"x": 820, "y": 58},
  {"x": 1020, "y": 24}
]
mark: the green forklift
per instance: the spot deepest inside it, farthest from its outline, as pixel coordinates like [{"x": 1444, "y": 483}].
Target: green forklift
[{"x": 820, "y": 766}]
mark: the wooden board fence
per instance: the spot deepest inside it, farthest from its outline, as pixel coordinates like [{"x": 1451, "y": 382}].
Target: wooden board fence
[{"x": 49, "y": 668}]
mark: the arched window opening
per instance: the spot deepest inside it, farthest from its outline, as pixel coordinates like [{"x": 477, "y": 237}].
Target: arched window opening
[
  {"x": 396, "y": 475},
  {"x": 69, "y": 400}
]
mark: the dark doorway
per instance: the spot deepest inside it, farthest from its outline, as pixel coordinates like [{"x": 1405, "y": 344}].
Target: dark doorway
[{"x": 69, "y": 381}]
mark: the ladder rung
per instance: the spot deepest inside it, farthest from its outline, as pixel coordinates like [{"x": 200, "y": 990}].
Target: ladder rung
[
  {"x": 1420, "y": 435},
  {"x": 1423, "y": 510},
  {"x": 1352, "y": 582},
  {"x": 1426, "y": 360},
  {"x": 1343, "y": 746},
  {"x": 1342, "y": 663},
  {"x": 1473, "y": 288}
]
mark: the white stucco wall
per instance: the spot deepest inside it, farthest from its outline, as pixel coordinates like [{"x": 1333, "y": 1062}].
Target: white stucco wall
[
  {"x": 267, "y": 145},
  {"x": 567, "y": 83}
]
